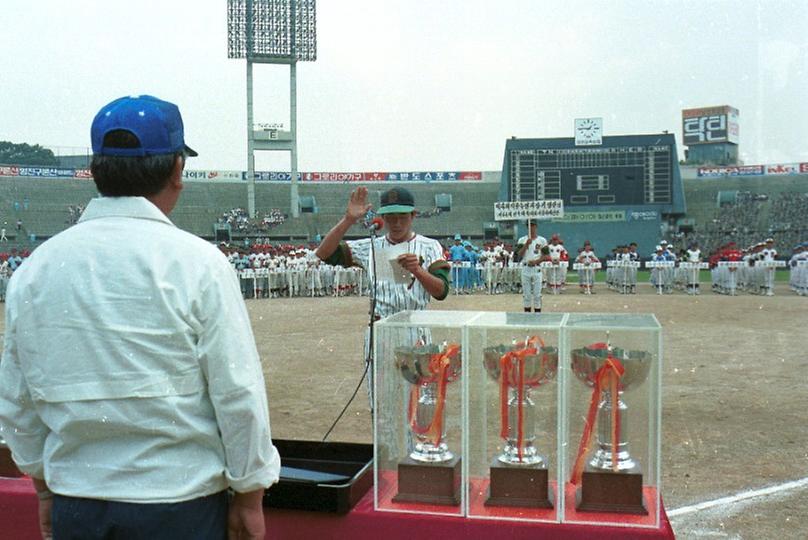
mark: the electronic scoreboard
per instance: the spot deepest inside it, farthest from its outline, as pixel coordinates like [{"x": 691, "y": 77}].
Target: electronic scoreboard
[{"x": 624, "y": 170}]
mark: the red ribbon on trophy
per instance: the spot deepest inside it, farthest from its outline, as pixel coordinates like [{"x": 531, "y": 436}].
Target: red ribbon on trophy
[
  {"x": 608, "y": 376},
  {"x": 508, "y": 362},
  {"x": 439, "y": 371}
]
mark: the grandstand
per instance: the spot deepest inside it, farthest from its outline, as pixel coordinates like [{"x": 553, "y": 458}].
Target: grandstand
[
  {"x": 42, "y": 204},
  {"x": 745, "y": 209},
  {"x": 203, "y": 203}
]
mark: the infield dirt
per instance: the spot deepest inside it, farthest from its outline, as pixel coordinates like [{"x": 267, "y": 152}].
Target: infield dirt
[{"x": 735, "y": 391}]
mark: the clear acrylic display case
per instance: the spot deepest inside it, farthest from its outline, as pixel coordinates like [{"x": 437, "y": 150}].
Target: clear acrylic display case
[
  {"x": 513, "y": 420},
  {"x": 419, "y": 370},
  {"x": 611, "y": 413}
]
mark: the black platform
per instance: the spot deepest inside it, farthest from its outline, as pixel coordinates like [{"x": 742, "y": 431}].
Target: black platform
[{"x": 322, "y": 477}]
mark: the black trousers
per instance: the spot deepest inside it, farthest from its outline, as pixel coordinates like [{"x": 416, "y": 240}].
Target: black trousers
[{"x": 204, "y": 518}]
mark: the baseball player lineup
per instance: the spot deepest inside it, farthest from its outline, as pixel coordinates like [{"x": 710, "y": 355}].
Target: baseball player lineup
[{"x": 286, "y": 270}]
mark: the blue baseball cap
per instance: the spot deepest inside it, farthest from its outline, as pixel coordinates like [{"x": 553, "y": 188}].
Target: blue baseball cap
[{"x": 156, "y": 124}]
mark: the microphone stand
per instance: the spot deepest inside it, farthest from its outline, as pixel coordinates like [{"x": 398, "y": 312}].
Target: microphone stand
[
  {"x": 374, "y": 227},
  {"x": 371, "y": 333}
]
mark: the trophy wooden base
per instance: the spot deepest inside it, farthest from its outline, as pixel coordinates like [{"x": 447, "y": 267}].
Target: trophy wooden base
[
  {"x": 522, "y": 486},
  {"x": 604, "y": 491},
  {"x": 431, "y": 483}
]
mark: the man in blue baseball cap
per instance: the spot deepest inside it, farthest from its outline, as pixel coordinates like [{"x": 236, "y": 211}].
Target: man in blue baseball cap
[{"x": 130, "y": 386}]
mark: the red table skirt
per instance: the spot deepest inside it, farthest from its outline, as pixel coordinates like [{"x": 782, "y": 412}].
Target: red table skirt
[{"x": 18, "y": 519}]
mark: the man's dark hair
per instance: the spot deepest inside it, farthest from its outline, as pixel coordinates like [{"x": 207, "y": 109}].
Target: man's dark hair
[{"x": 136, "y": 176}]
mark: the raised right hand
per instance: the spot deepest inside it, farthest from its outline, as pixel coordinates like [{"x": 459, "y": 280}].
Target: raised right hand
[{"x": 358, "y": 204}]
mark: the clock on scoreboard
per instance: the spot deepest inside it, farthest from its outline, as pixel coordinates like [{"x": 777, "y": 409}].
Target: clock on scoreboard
[{"x": 588, "y": 131}]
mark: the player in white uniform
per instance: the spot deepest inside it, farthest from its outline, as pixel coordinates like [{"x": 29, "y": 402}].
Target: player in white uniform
[
  {"x": 752, "y": 276},
  {"x": 586, "y": 277},
  {"x": 668, "y": 273},
  {"x": 633, "y": 256},
  {"x": 798, "y": 264},
  {"x": 556, "y": 274},
  {"x": 692, "y": 255},
  {"x": 768, "y": 254},
  {"x": 529, "y": 250},
  {"x": 5, "y": 275},
  {"x": 487, "y": 260},
  {"x": 658, "y": 274},
  {"x": 423, "y": 257}
]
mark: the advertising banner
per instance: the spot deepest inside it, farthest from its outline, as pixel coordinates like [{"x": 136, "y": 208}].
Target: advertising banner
[
  {"x": 46, "y": 172},
  {"x": 430, "y": 176},
  {"x": 646, "y": 215},
  {"x": 375, "y": 176},
  {"x": 272, "y": 176},
  {"x": 211, "y": 175},
  {"x": 266, "y": 176},
  {"x": 522, "y": 210},
  {"x": 333, "y": 177},
  {"x": 731, "y": 170},
  {"x": 581, "y": 217},
  {"x": 779, "y": 169}
]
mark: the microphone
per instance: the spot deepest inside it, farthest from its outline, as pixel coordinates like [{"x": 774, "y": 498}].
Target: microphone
[
  {"x": 376, "y": 224},
  {"x": 372, "y": 221}
]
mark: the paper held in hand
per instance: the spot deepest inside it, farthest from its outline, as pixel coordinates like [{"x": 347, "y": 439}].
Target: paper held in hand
[{"x": 387, "y": 267}]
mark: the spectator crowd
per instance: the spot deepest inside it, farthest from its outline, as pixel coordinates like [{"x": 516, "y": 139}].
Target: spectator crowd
[{"x": 241, "y": 222}]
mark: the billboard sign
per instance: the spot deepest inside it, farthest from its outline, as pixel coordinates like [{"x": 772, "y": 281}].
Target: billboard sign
[
  {"x": 733, "y": 130},
  {"x": 710, "y": 125}
]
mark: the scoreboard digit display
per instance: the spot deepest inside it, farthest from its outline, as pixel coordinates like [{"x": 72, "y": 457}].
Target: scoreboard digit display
[{"x": 636, "y": 174}]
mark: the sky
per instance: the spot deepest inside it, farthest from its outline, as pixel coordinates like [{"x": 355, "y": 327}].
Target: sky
[{"x": 418, "y": 85}]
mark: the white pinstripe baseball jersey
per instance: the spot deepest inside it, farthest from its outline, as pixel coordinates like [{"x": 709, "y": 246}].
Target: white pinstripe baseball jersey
[{"x": 392, "y": 297}]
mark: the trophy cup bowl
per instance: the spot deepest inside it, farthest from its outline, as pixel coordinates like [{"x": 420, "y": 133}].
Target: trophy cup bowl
[
  {"x": 414, "y": 363},
  {"x": 518, "y": 429},
  {"x": 539, "y": 368},
  {"x": 422, "y": 366},
  {"x": 587, "y": 361}
]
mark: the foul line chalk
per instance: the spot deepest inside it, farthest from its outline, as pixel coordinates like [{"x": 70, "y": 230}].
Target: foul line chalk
[{"x": 795, "y": 484}]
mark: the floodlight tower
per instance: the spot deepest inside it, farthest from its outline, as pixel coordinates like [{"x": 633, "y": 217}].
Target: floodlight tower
[{"x": 272, "y": 32}]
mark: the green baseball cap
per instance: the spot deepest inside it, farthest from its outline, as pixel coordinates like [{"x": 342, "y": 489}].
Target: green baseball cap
[{"x": 397, "y": 201}]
